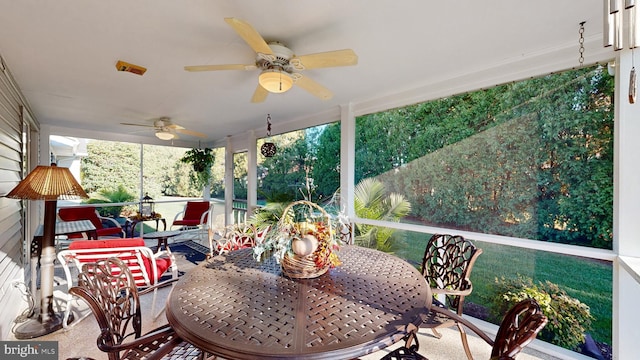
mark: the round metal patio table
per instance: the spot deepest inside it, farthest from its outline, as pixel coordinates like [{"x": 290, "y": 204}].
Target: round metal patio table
[{"x": 237, "y": 308}]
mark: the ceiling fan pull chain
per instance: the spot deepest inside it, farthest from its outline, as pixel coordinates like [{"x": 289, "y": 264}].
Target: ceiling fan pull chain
[{"x": 581, "y": 43}]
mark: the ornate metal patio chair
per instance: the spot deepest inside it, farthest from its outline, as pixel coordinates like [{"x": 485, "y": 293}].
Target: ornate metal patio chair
[
  {"x": 409, "y": 351},
  {"x": 446, "y": 265},
  {"x": 234, "y": 237},
  {"x": 110, "y": 290},
  {"x": 518, "y": 328}
]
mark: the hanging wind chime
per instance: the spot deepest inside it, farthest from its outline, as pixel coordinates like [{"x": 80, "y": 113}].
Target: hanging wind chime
[
  {"x": 613, "y": 33},
  {"x": 268, "y": 149}
]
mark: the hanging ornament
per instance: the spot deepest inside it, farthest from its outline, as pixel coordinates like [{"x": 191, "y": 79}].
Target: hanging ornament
[{"x": 268, "y": 149}]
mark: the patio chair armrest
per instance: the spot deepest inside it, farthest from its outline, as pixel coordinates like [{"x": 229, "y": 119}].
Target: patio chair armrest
[
  {"x": 204, "y": 215},
  {"x": 453, "y": 292},
  {"x": 167, "y": 253},
  {"x": 161, "y": 253},
  {"x": 178, "y": 216},
  {"x": 157, "y": 286},
  {"x": 156, "y": 335},
  {"x": 438, "y": 307},
  {"x": 108, "y": 222}
]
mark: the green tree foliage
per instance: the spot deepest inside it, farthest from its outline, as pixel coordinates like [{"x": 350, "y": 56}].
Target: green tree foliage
[
  {"x": 287, "y": 175},
  {"x": 110, "y": 164},
  {"x": 240, "y": 165},
  {"x": 531, "y": 159},
  {"x": 326, "y": 167},
  {"x": 164, "y": 174},
  {"x": 217, "y": 173},
  {"x": 113, "y": 164}
]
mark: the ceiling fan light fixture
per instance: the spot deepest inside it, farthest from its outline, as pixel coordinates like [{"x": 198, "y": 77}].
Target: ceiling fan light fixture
[
  {"x": 164, "y": 135},
  {"x": 275, "y": 81}
]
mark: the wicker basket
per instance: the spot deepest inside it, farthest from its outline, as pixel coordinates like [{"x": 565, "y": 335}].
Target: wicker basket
[{"x": 304, "y": 267}]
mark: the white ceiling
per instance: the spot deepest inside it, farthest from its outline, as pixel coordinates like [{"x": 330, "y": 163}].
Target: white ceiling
[{"x": 63, "y": 53}]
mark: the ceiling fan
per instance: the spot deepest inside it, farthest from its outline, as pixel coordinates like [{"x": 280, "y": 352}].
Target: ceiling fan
[
  {"x": 280, "y": 67},
  {"x": 166, "y": 130}
]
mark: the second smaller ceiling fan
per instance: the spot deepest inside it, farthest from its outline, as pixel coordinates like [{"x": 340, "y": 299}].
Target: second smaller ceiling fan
[{"x": 166, "y": 130}]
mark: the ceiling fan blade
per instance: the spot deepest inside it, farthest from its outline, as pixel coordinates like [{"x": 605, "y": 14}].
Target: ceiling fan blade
[
  {"x": 259, "y": 95},
  {"x": 344, "y": 57},
  {"x": 190, "y": 132},
  {"x": 144, "y": 125},
  {"x": 249, "y": 35},
  {"x": 220, "y": 67},
  {"x": 174, "y": 126},
  {"x": 314, "y": 88}
]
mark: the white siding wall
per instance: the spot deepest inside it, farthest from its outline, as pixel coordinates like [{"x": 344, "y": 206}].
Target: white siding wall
[{"x": 12, "y": 224}]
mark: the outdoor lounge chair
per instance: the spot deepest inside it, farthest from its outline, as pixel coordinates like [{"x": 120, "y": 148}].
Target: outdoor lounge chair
[
  {"x": 146, "y": 266},
  {"x": 518, "y": 328},
  {"x": 110, "y": 290},
  {"x": 195, "y": 214},
  {"x": 446, "y": 265},
  {"x": 104, "y": 226}
]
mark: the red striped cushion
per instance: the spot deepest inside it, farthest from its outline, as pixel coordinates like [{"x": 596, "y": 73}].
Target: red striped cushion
[
  {"x": 131, "y": 259},
  {"x": 107, "y": 243}
]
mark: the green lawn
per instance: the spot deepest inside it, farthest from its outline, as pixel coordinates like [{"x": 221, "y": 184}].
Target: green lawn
[{"x": 590, "y": 281}]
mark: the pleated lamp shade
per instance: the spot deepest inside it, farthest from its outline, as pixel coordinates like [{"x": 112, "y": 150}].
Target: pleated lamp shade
[{"x": 48, "y": 183}]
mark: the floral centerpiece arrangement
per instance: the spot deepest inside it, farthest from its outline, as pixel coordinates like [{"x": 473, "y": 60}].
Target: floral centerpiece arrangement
[{"x": 304, "y": 241}]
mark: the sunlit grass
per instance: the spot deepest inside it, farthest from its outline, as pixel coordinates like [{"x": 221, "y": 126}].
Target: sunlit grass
[{"x": 590, "y": 281}]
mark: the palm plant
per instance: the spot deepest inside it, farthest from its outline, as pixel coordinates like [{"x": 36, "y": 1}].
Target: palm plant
[
  {"x": 118, "y": 195},
  {"x": 268, "y": 215},
  {"x": 372, "y": 202}
]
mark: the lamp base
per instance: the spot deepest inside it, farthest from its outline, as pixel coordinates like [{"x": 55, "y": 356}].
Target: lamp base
[{"x": 34, "y": 327}]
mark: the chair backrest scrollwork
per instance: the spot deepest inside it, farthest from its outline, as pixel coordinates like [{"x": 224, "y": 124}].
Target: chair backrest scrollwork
[
  {"x": 518, "y": 328},
  {"x": 110, "y": 290},
  {"x": 447, "y": 264}
]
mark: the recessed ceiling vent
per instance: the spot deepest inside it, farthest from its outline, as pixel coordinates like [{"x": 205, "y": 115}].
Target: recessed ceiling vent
[{"x": 125, "y": 66}]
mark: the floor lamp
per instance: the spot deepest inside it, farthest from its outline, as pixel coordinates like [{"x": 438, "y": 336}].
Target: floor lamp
[{"x": 48, "y": 183}]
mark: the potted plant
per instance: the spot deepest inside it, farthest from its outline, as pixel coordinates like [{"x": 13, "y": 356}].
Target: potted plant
[{"x": 201, "y": 160}]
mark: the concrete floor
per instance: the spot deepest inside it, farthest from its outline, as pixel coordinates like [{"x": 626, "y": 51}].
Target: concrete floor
[{"x": 80, "y": 339}]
